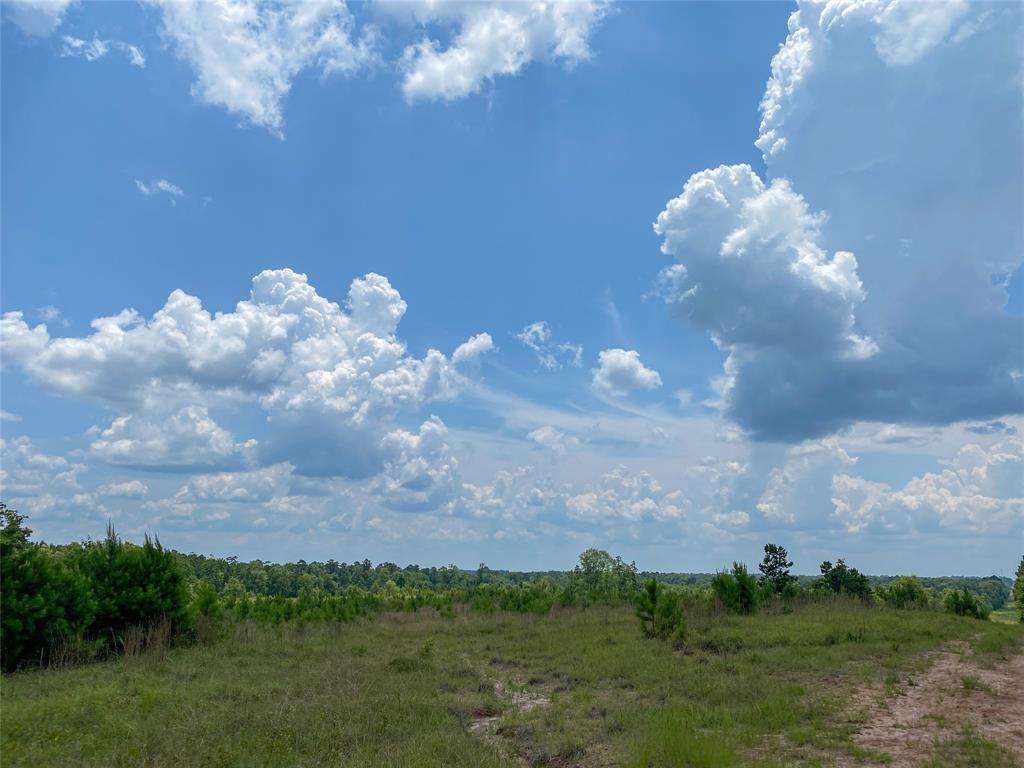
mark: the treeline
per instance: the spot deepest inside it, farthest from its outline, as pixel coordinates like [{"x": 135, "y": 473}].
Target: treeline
[{"x": 77, "y": 602}]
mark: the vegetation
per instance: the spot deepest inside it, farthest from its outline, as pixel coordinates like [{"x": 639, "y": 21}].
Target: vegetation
[
  {"x": 1018, "y": 590},
  {"x": 963, "y": 603},
  {"x": 660, "y": 611},
  {"x": 207, "y": 661},
  {"x": 775, "y": 570},
  {"x": 843, "y": 580}
]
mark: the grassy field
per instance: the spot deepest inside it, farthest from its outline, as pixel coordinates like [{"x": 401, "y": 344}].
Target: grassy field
[
  {"x": 1006, "y": 615},
  {"x": 576, "y": 687}
]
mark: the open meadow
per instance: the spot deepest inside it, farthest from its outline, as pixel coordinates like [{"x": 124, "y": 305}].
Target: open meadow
[{"x": 813, "y": 684}]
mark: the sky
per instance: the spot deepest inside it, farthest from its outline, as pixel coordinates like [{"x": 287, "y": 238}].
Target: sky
[{"x": 440, "y": 282}]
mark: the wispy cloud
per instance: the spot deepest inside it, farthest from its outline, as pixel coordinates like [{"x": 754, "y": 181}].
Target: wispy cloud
[
  {"x": 551, "y": 355},
  {"x": 95, "y": 49},
  {"x": 160, "y": 186}
]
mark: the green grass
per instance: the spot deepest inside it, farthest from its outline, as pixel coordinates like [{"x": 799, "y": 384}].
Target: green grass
[
  {"x": 402, "y": 690},
  {"x": 1006, "y": 615},
  {"x": 970, "y": 750}
]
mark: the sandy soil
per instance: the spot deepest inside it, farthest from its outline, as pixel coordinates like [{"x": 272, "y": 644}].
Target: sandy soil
[{"x": 937, "y": 704}]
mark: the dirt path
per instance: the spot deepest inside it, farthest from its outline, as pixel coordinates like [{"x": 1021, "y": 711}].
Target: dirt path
[{"x": 953, "y": 693}]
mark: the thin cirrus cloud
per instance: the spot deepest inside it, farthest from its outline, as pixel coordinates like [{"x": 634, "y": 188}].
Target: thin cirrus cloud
[
  {"x": 828, "y": 257},
  {"x": 95, "y": 49},
  {"x": 160, "y": 187},
  {"x": 551, "y": 354}
]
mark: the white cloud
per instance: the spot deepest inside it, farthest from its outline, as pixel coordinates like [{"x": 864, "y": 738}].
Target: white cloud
[
  {"x": 556, "y": 441},
  {"x": 981, "y": 490},
  {"x": 259, "y": 485},
  {"x": 130, "y": 489},
  {"x": 187, "y": 439},
  {"x": 160, "y": 186},
  {"x": 473, "y": 348},
  {"x": 420, "y": 472},
  {"x": 625, "y": 495},
  {"x": 494, "y": 39},
  {"x": 551, "y": 355},
  {"x": 331, "y": 382},
  {"x": 246, "y": 54},
  {"x": 95, "y": 49},
  {"x": 37, "y": 18},
  {"x": 38, "y": 483},
  {"x": 865, "y": 102},
  {"x": 620, "y": 371},
  {"x": 8, "y": 416}
]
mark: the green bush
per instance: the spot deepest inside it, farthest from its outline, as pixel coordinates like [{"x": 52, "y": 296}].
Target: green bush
[
  {"x": 963, "y": 603},
  {"x": 905, "y": 592},
  {"x": 737, "y": 591},
  {"x": 133, "y": 586},
  {"x": 45, "y": 602},
  {"x": 660, "y": 611},
  {"x": 840, "y": 579}
]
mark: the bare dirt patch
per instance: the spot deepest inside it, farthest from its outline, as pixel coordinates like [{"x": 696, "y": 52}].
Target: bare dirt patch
[{"x": 954, "y": 693}]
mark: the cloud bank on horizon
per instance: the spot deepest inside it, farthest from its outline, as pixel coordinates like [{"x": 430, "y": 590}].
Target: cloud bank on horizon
[{"x": 857, "y": 289}]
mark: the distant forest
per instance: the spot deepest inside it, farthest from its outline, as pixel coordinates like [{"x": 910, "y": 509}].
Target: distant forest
[{"x": 231, "y": 575}]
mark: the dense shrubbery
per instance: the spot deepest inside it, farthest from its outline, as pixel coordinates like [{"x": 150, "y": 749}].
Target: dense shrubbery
[
  {"x": 963, "y": 603},
  {"x": 738, "y": 591},
  {"x": 905, "y": 592},
  {"x": 840, "y": 579},
  {"x": 44, "y": 598},
  {"x": 83, "y": 599}
]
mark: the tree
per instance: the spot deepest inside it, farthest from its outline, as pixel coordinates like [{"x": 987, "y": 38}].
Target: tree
[
  {"x": 844, "y": 580},
  {"x": 737, "y": 591},
  {"x": 660, "y": 612},
  {"x": 775, "y": 568},
  {"x": 600, "y": 577},
  {"x": 963, "y": 603},
  {"x": 1018, "y": 590},
  {"x": 44, "y": 600},
  {"x": 133, "y": 586}
]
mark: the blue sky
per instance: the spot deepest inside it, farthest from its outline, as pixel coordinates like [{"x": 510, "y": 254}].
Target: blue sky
[{"x": 819, "y": 343}]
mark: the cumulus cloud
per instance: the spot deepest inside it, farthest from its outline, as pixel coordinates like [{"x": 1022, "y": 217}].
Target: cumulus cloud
[
  {"x": 246, "y": 54},
  {"x": 420, "y": 472},
  {"x": 473, "y": 348},
  {"x": 92, "y": 50},
  {"x": 187, "y": 440},
  {"x": 856, "y": 281},
  {"x": 129, "y": 489},
  {"x": 330, "y": 381},
  {"x": 551, "y": 355},
  {"x": 982, "y": 489},
  {"x": 36, "y": 482},
  {"x": 619, "y": 372},
  {"x": 625, "y": 495},
  {"x": 494, "y": 39},
  {"x": 37, "y": 18},
  {"x": 556, "y": 441}
]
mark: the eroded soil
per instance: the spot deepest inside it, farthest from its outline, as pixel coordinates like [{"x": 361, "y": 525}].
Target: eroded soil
[{"x": 955, "y": 692}]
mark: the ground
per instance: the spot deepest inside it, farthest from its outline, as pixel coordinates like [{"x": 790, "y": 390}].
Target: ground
[{"x": 834, "y": 684}]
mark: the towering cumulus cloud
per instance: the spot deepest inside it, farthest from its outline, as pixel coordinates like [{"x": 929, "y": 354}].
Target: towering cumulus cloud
[
  {"x": 865, "y": 278},
  {"x": 331, "y": 382}
]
